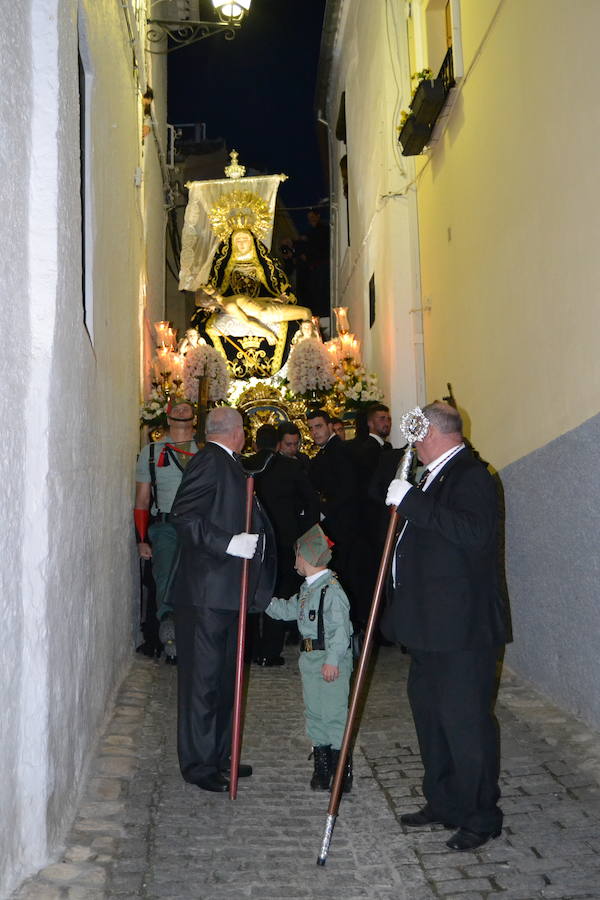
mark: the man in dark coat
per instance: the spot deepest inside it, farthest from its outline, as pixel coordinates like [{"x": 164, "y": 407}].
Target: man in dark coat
[
  {"x": 447, "y": 610},
  {"x": 333, "y": 476},
  {"x": 208, "y": 513},
  {"x": 372, "y": 514},
  {"x": 292, "y": 506}
]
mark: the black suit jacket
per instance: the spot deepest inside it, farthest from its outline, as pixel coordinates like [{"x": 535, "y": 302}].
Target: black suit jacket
[
  {"x": 289, "y": 499},
  {"x": 333, "y": 476},
  {"x": 447, "y": 594},
  {"x": 208, "y": 510}
]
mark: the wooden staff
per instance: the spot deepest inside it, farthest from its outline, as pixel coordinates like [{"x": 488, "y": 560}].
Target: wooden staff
[
  {"x": 414, "y": 427},
  {"x": 361, "y": 674},
  {"x": 236, "y": 734},
  {"x": 256, "y": 465},
  {"x": 202, "y": 409}
]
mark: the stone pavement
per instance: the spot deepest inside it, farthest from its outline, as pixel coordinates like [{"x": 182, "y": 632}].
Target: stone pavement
[{"x": 141, "y": 832}]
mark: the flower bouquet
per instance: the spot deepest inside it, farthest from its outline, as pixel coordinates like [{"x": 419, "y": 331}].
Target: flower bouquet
[
  {"x": 205, "y": 360},
  {"x": 310, "y": 372}
]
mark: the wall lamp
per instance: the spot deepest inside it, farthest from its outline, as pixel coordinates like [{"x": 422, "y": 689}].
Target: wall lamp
[{"x": 184, "y": 27}]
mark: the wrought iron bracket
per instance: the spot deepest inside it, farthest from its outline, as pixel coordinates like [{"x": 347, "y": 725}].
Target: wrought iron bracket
[{"x": 184, "y": 33}]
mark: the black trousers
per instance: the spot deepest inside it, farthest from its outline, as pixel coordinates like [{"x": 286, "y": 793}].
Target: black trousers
[
  {"x": 206, "y": 642},
  {"x": 452, "y": 697}
]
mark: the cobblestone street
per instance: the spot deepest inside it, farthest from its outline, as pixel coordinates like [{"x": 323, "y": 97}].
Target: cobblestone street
[{"x": 141, "y": 832}]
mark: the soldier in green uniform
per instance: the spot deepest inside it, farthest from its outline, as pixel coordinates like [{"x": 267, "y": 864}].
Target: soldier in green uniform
[
  {"x": 159, "y": 472},
  {"x": 322, "y": 612}
]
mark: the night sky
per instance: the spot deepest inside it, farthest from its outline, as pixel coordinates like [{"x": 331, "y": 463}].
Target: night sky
[{"x": 257, "y": 92}]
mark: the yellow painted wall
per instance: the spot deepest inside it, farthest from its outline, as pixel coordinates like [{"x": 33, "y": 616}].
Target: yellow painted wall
[{"x": 509, "y": 219}]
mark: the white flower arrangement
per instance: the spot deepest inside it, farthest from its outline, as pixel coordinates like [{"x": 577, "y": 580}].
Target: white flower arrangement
[
  {"x": 356, "y": 387},
  {"x": 239, "y": 385},
  {"x": 205, "y": 360},
  {"x": 153, "y": 412},
  {"x": 310, "y": 368}
]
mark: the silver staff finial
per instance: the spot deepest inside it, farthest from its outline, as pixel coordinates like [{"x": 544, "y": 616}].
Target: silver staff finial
[{"x": 414, "y": 425}]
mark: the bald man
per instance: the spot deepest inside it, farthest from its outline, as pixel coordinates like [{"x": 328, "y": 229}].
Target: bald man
[
  {"x": 208, "y": 514},
  {"x": 447, "y": 610}
]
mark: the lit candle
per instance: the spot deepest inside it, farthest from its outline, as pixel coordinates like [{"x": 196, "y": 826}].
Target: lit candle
[
  {"x": 171, "y": 338},
  {"x": 163, "y": 360},
  {"x": 341, "y": 319},
  {"x": 177, "y": 361},
  {"x": 161, "y": 329}
]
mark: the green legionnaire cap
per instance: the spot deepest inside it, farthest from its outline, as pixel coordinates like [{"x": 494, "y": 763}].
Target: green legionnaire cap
[{"x": 314, "y": 546}]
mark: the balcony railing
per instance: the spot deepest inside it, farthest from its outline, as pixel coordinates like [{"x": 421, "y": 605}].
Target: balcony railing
[{"x": 425, "y": 107}]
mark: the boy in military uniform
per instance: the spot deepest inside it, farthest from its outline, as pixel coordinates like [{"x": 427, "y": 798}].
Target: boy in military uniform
[{"x": 322, "y": 611}]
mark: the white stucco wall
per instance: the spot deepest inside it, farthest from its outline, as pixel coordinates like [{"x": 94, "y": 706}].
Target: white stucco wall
[
  {"x": 68, "y": 565},
  {"x": 370, "y": 64},
  {"x": 15, "y": 100}
]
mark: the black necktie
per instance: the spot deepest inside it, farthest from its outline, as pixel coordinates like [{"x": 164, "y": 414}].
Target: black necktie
[{"x": 422, "y": 479}]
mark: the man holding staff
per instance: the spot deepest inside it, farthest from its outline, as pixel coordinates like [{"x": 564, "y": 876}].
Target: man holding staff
[
  {"x": 208, "y": 514},
  {"x": 446, "y": 609}
]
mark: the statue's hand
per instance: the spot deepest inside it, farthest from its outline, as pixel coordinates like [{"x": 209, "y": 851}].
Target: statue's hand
[{"x": 208, "y": 297}]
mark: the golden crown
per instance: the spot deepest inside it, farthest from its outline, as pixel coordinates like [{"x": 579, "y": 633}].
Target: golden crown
[{"x": 240, "y": 209}]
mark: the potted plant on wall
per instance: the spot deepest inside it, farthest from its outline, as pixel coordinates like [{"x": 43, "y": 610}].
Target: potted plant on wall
[
  {"x": 428, "y": 97},
  {"x": 427, "y": 100},
  {"x": 413, "y": 134}
]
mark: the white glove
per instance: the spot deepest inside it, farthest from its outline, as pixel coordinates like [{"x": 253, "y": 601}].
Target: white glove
[
  {"x": 397, "y": 491},
  {"x": 242, "y": 545}
]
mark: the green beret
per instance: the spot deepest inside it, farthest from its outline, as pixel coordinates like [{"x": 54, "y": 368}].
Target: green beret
[{"x": 314, "y": 547}]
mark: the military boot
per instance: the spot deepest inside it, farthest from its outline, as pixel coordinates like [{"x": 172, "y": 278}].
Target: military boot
[
  {"x": 322, "y": 773},
  {"x": 348, "y": 778}
]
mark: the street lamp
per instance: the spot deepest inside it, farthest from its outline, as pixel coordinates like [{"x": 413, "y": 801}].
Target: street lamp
[
  {"x": 231, "y": 11},
  {"x": 183, "y": 26}
]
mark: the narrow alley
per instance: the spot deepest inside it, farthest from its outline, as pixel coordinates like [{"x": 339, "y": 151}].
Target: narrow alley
[{"x": 141, "y": 832}]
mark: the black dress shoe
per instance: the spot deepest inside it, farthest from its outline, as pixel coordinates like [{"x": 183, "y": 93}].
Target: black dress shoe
[
  {"x": 421, "y": 818},
  {"x": 470, "y": 840},
  {"x": 214, "y": 782},
  {"x": 244, "y": 771},
  {"x": 268, "y": 661}
]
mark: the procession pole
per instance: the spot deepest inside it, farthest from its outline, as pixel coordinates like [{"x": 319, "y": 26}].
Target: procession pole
[
  {"x": 260, "y": 463},
  {"x": 236, "y": 734},
  {"x": 414, "y": 427},
  {"x": 202, "y": 410}
]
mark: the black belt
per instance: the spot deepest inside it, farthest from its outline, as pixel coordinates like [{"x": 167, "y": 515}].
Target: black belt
[
  {"x": 310, "y": 644},
  {"x": 163, "y": 517}
]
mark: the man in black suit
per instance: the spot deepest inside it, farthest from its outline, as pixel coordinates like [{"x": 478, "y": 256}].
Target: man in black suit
[
  {"x": 372, "y": 518},
  {"x": 292, "y": 506},
  {"x": 447, "y": 610},
  {"x": 289, "y": 440},
  {"x": 332, "y": 474},
  {"x": 208, "y": 513}
]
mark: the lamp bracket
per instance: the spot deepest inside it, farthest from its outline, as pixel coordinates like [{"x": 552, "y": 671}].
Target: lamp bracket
[{"x": 186, "y": 32}]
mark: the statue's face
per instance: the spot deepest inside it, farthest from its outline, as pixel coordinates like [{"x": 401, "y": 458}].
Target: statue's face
[{"x": 242, "y": 243}]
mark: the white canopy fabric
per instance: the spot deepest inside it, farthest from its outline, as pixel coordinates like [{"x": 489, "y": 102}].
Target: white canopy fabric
[{"x": 199, "y": 242}]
